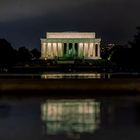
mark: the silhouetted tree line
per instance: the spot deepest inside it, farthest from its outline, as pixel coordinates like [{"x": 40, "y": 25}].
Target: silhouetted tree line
[
  {"x": 10, "y": 56},
  {"x": 126, "y": 57}
]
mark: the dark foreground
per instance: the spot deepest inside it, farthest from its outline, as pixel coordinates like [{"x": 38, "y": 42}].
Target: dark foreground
[{"x": 69, "y": 109}]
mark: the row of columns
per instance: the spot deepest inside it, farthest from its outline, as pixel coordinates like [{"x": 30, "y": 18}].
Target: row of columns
[
  {"x": 90, "y": 50},
  {"x": 51, "y": 50},
  {"x": 85, "y": 50}
]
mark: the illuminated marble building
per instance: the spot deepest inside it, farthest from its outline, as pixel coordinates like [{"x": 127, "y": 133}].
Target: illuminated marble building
[{"x": 70, "y": 45}]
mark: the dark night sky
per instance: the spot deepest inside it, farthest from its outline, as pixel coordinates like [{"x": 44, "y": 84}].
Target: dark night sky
[{"x": 24, "y": 22}]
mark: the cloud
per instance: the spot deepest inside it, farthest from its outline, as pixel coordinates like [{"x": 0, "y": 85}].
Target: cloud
[
  {"x": 114, "y": 20},
  {"x": 18, "y": 9},
  {"x": 99, "y": 10}
]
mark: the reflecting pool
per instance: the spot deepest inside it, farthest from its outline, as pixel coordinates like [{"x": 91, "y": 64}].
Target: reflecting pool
[
  {"x": 69, "y": 75},
  {"x": 41, "y": 118}
]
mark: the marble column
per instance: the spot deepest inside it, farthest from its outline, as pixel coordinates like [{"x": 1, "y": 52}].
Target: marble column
[
  {"x": 85, "y": 49},
  {"x": 80, "y": 50},
  {"x": 54, "y": 47},
  {"x": 46, "y": 51},
  {"x": 90, "y": 52},
  {"x": 52, "y": 51},
  {"x": 60, "y": 50},
  {"x": 43, "y": 50},
  {"x": 49, "y": 50},
  {"x": 57, "y": 48}
]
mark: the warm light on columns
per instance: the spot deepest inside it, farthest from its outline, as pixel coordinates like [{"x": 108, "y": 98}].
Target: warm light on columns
[
  {"x": 55, "y": 49},
  {"x": 85, "y": 49},
  {"x": 49, "y": 50},
  {"x": 90, "y": 51},
  {"x": 93, "y": 51},
  {"x": 43, "y": 50},
  {"x": 80, "y": 52},
  {"x": 60, "y": 50}
]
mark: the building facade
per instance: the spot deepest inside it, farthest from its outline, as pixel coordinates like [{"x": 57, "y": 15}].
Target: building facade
[{"x": 70, "y": 45}]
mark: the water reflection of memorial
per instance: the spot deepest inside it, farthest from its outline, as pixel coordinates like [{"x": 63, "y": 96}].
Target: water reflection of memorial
[
  {"x": 70, "y": 116},
  {"x": 72, "y": 76}
]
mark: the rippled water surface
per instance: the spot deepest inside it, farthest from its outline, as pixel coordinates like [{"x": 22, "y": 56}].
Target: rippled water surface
[
  {"x": 41, "y": 118},
  {"x": 69, "y": 75}
]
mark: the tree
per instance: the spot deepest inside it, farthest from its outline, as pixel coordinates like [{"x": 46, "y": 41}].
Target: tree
[
  {"x": 35, "y": 53},
  {"x": 135, "y": 51},
  {"x": 135, "y": 44},
  {"x": 7, "y": 58},
  {"x": 121, "y": 54},
  {"x": 24, "y": 55}
]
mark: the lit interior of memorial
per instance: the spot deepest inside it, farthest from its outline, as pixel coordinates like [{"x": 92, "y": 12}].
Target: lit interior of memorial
[{"x": 70, "y": 45}]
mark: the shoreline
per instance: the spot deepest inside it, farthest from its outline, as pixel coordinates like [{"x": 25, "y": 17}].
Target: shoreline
[{"x": 102, "y": 85}]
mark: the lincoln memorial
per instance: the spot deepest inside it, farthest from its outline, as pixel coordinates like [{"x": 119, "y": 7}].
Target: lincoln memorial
[{"x": 70, "y": 45}]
